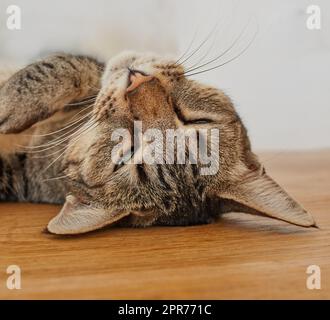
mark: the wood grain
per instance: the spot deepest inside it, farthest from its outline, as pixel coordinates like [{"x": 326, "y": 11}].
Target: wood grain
[{"x": 240, "y": 256}]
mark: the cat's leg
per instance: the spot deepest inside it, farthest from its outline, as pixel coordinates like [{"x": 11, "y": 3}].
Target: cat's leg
[
  {"x": 13, "y": 182},
  {"x": 23, "y": 178},
  {"x": 29, "y": 96},
  {"x": 45, "y": 87}
]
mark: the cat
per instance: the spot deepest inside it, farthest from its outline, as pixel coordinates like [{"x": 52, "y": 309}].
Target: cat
[{"x": 65, "y": 107}]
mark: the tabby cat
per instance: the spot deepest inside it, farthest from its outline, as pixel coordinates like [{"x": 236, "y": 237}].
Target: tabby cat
[{"x": 56, "y": 119}]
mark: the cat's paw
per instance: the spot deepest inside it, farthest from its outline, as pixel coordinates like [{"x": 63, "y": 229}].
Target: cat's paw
[
  {"x": 7, "y": 122},
  {"x": 22, "y": 102},
  {"x": 13, "y": 119},
  {"x": 41, "y": 89}
]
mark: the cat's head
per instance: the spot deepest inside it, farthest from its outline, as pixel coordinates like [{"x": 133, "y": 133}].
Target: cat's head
[{"x": 147, "y": 96}]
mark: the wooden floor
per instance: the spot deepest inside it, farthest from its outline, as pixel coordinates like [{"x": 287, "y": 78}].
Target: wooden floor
[{"x": 241, "y": 256}]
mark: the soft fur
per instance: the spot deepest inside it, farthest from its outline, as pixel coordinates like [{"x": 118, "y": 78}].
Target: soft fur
[{"x": 49, "y": 107}]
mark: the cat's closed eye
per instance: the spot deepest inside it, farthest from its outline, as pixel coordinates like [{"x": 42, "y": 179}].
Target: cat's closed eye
[
  {"x": 198, "y": 121},
  {"x": 186, "y": 121}
]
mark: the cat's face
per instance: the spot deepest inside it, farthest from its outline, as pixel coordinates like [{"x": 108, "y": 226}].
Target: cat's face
[{"x": 152, "y": 91}]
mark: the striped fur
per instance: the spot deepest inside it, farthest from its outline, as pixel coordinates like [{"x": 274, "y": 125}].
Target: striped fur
[
  {"x": 45, "y": 96},
  {"x": 13, "y": 180}
]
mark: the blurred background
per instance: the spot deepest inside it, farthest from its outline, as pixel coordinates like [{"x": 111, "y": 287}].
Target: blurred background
[{"x": 280, "y": 85}]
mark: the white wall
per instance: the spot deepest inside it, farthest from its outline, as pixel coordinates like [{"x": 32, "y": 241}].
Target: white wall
[{"x": 281, "y": 85}]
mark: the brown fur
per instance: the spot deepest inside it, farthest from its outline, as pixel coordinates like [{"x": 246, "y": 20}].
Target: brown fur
[{"x": 134, "y": 194}]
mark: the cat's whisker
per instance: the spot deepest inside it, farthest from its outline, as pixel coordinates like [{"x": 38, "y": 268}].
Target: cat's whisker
[
  {"x": 76, "y": 122},
  {"x": 97, "y": 89},
  {"x": 80, "y": 112},
  {"x": 70, "y": 124},
  {"x": 53, "y": 162},
  {"x": 177, "y": 62},
  {"x": 87, "y": 109},
  {"x": 65, "y": 149},
  {"x": 59, "y": 177},
  {"x": 188, "y": 74},
  {"x": 82, "y": 102},
  {"x": 223, "y": 53},
  {"x": 73, "y": 120},
  {"x": 201, "y": 45},
  {"x": 58, "y": 131},
  {"x": 52, "y": 145},
  {"x": 57, "y": 142},
  {"x": 223, "y": 27},
  {"x": 204, "y": 56}
]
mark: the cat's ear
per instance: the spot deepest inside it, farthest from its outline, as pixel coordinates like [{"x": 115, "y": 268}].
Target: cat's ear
[
  {"x": 45, "y": 87},
  {"x": 76, "y": 218},
  {"x": 257, "y": 190}
]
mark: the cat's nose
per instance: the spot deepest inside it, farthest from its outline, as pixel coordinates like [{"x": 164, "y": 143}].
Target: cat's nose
[{"x": 136, "y": 78}]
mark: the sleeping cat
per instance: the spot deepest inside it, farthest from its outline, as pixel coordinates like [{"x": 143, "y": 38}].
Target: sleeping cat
[{"x": 65, "y": 108}]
